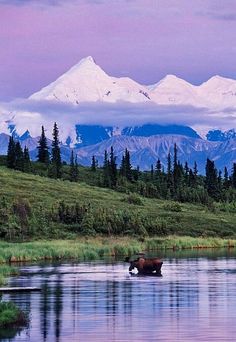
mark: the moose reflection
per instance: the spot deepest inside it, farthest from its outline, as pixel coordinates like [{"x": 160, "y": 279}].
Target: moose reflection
[{"x": 145, "y": 266}]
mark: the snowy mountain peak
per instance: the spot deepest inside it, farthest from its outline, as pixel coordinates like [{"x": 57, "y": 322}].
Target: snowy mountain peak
[
  {"x": 85, "y": 63},
  {"x": 218, "y": 92},
  {"x": 170, "y": 81},
  {"x": 88, "y": 59},
  {"x": 79, "y": 84},
  {"x": 87, "y": 82},
  {"x": 217, "y": 80},
  {"x": 171, "y": 78}
]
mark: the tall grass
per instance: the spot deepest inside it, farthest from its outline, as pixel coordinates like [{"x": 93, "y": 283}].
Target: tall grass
[
  {"x": 95, "y": 248},
  {"x": 5, "y": 271},
  {"x": 186, "y": 242}
]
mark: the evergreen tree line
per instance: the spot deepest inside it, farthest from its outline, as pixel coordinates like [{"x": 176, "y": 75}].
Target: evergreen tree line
[
  {"x": 19, "y": 159},
  {"x": 179, "y": 182}
]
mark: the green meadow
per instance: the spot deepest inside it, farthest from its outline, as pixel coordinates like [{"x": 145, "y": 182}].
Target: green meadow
[{"x": 131, "y": 215}]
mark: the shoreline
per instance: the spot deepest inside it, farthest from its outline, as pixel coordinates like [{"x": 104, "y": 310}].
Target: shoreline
[
  {"x": 83, "y": 249},
  {"x": 92, "y": 248}
]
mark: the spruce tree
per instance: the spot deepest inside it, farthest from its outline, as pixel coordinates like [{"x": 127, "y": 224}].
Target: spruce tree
[
  {"x": 220, "y": 183},
  {"x": 152, "y": 173},
  {"x": 211, "y": 181},
  {"x": 43, "y": 152},
  {"x": 195, "y": 169},
  {"x": 186, "y": 173},
  {"x": 191, "y": 179},
  {"x": 175, "y": 161},
  {"x": 233, "y": 177},
  {"x": 26, "y": 157},
  {"x": 122, "y": 167},
  {"x": 94, "y": 164},
  {"x": 136, "y": 174},
  {"x": 175, "y": 169},
  {"x": 169, "y": 174},
  {"x": 226, "y": 182},
  {"x": 106, "y": 171},
  {"x": 19, "y": 165},
  {"x": 11, "y": 154},
  {"x": 158, "y": 169},
  {"x": 113, "y": 168},
  {"x": 56, "y": 165},
  {"x": 128, "y": 166},
  {"x": 73, "y": 168},
  {"x": 76, "y": 174},
  {"x": 194, "y": 182}
]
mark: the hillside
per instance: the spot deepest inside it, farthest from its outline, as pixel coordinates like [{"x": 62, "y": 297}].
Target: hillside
[{"x": 106, "y": 210}]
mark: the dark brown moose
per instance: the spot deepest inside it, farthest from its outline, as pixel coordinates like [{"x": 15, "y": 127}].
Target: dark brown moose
[{"x": 146, "y": 265}]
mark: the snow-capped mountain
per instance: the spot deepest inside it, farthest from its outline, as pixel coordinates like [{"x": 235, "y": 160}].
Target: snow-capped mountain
[
  {"x": 172, "y": 90},
  {"x": 87, "y": 82},
  {"x": 218, "y": 92},
  {"x": 86, "y": 85}
]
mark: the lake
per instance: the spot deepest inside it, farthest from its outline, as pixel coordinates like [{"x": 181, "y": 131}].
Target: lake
[{"x": 194, "y": 300}]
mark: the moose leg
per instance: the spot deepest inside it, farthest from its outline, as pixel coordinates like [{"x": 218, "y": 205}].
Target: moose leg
[{"x": 158, "y": 268}]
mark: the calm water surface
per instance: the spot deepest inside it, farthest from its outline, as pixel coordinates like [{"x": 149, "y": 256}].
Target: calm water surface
[{"x": 194, "y": 300}]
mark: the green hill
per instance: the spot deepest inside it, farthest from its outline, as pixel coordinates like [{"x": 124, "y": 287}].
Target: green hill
[{"x": 31, "y": 206}]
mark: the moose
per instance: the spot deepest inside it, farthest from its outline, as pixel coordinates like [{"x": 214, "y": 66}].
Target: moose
[{"x": 145, "y": 266}]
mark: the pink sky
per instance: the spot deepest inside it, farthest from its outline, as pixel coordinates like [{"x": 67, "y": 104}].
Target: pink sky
[{"x": 143, "y": 39}]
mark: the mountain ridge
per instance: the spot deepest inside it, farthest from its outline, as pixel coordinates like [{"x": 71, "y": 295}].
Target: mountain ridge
[
  {"x": 102, "y": 87},
  {"x": 145, "y": 151},
  {"x": 87, "y": 83}
]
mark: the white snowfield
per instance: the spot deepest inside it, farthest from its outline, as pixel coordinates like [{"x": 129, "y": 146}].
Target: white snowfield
[
  {"x": 123, "y": 102},
  {"x": 87, "y": 82}
]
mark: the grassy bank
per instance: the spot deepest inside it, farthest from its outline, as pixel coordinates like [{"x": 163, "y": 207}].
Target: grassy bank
[
  {"x": 11, "y": 315},
  {"x": 6, "y": 271},
  {"x": 95, "y": 248}
]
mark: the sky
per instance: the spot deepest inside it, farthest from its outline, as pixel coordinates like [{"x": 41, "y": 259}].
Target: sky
[{"x": 142, "y": 39}]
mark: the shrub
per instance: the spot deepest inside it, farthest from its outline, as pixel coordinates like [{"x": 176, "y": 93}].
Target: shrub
[
  {"x": 174, "y": 206},
  {"x": 10, "y": 315},
  {"x": 134, "y": 199},
  {"x": 22, "y": 210}
]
